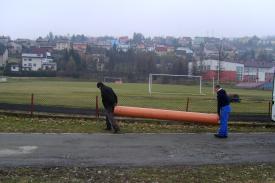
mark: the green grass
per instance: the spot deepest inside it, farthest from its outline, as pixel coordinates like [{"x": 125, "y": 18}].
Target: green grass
[
  {"x": 77, "y": 93},
  {"x": 58, "y": 125},
  {"x": 206, "y": 173}
]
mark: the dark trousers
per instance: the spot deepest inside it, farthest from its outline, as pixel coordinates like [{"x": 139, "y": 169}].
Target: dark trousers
[{"x": 110, "y": 121}]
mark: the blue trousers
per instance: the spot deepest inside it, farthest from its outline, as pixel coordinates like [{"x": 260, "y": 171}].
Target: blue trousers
[{"x": 224, "y": 115}]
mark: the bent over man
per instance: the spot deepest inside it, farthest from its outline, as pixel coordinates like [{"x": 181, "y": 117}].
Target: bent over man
[{"x": 109, "y": 100}]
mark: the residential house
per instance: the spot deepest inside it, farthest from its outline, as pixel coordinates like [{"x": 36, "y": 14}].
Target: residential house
[
  {"x": 14, "y": 48},
  {"x": 185, "y": 42},
  {"x": 4, "y": 55},
  {"x": 80, "y": 47},
  {"x": 13, "y": 64},
  {"x": 25, "y": 43},
  {"x": 14, "y": 67},
  {"x": 62, "y": 44},
  {"x": 105, "y": 44},
  {"x": 4, "y": 40},
  {"x": 123, "y": 40},
  {"x": 38, "y": 62},
  {"x": 184, "y": 52},
  {"x": 161, "y": 50},
  {"x": 123, "y": 47},
  {"x": 197, "y": 42}
]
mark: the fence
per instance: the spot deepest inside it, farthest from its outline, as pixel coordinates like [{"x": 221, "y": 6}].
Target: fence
[{"x": 246, "y": 110}]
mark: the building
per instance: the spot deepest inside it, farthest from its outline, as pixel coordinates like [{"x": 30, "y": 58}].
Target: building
[
  {"x": 14, "y": 48},
  {"x": 123, "y": 40},
  {"x": 4, "y": 40},
  {"x": 222, "y": 70},
  {"x": 185, "y": 41},
  {"x": 123, "y": 47},
  {"x": 252, "y": 72},
  {"x": 38, "y": 62},
  {"x": 258, "y": 72},
  {"x": 63, "y": 44},
  {"x": 161, "y": 50},
  {"x": 4, "y": 55},
  {"x": 80, "y": 47},
  {"x": 14, "y": 67}
]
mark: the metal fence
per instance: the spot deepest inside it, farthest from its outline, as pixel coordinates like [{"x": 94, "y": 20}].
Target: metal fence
[{"x": 92, "y": 106}]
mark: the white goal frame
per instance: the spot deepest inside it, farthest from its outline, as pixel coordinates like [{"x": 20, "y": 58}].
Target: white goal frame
[
  {"x": 109, "y": 77},
  {"x": 150, "y": 81}
]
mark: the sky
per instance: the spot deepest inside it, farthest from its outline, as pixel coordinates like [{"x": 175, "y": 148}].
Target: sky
[{"x": 219, "y": 18}]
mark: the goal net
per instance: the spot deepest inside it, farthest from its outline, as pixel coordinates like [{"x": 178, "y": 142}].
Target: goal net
[
  {"x": 108, "y": 79},
  {"x": 175, "y": 84}
]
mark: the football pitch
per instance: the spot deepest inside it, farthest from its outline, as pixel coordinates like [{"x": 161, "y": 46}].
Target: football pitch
[{"x": 82, "y": 94}]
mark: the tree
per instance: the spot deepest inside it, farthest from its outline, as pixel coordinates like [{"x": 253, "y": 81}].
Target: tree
[
  {"x": 138, "y": 38},
  {"x": 2, "y": 48},
  {"x": 50, "y": 36}
]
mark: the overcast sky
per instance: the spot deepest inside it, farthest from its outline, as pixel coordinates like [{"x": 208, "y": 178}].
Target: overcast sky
[{"x": 220, "y": 18}]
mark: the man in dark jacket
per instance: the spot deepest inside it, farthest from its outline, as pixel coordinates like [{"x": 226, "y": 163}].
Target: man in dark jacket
[
  {"x": 223, "y": 111},
  {"x": 109, "y": 100}
]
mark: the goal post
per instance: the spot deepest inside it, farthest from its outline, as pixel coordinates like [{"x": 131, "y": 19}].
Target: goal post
[
  {"x": 108, "y": 79},
  {"x": 175, "y": 82}
]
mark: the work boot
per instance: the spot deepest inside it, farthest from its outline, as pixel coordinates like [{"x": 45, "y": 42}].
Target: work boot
[{"x": 116, "y": 130}]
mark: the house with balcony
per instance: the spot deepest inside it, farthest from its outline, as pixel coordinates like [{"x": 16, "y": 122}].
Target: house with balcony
[{"x": 38, "y": 62}]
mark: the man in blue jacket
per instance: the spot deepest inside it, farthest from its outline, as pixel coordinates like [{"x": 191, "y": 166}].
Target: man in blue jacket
[
  {"x": 109, "y": 100},
  {"x": 224, "y": 110}
]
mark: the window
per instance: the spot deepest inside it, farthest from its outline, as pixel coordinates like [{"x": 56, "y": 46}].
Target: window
[
  {"x": 239, "y": 71},
  {"x": 30, "y": 64},
  {"x": 30, "y": 59},
  {"x": 25, "y": 65},
  {"x": 34, "y": 65},
  {"x": 25, "y": 59}
]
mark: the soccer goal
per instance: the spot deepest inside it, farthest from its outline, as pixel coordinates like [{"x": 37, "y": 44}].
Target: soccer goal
[
  {"x": 175, "y": 84},
  {"x": 108, "y": 79}
]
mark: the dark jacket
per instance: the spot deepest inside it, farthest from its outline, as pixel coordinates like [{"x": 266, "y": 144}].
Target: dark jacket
[
  {"x": 223, "y": 99},
  {"x": 109, "y": 98}
]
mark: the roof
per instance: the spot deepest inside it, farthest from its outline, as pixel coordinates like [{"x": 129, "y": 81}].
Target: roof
[
  {"x": 187, "y": 50},
  {"x": 258, "y": 64},
  {"x": 32, "y": 55}
]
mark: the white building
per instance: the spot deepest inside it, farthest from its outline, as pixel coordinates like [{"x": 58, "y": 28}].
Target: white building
[
  {"x": 37, "y": 62},
  {"x": 63, "y": 45},
  {"x": 222, "y": 70},
  {"x": 4, "y": 57},
  {"x": 258, "y": 72},
  {"x": 15, "y": 68}
]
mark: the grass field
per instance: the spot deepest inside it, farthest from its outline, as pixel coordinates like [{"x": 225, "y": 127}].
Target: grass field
[
  {"x": 207, "y": 173},
  {"x": 76, "y": 93},
  {"x": 11, "y": 124}
]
